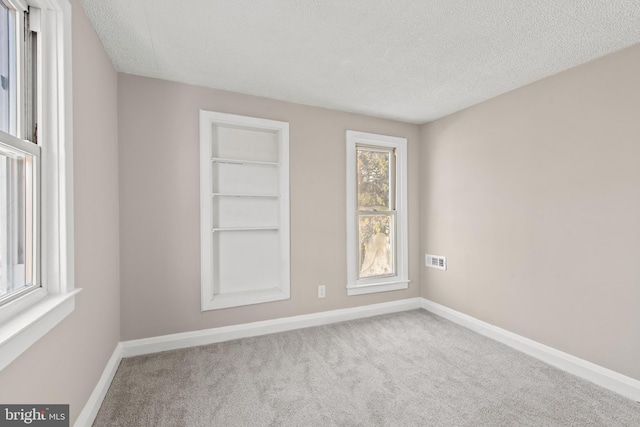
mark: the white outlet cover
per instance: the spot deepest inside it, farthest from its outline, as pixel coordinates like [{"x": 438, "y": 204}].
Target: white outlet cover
[{"x": 321, "y": 291}]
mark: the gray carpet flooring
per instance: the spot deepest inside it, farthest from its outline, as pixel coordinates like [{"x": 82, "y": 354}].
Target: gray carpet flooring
[{"x": 404, "y": 369}]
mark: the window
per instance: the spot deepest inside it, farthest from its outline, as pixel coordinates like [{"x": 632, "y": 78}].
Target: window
[
  {"x": 36, "y": 216},
  {"x": 17, "y": 242},
  {"x": 19, "y": 161},
  {"x": 376, "y": 213}
]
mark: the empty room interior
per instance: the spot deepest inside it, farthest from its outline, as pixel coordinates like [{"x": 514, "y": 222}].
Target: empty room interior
[{"x": 322, "y": 213}]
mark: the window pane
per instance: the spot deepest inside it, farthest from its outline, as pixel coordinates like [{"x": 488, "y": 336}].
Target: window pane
[
  {"x": 376, "y": 248},
  {"x": 7, "y": 63},
  {"x": 374, "y": 180},
  {"x": 15, "y": 223}
]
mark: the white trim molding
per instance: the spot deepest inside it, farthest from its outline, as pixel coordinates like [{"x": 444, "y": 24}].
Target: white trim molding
[
  {"x": 226, "y": 333},
  {"x": 91, "y": 408},
  {"x": 377, "y": 287},
  {"x": 589, "y": 371},
  {"x": 27, "y": 327}
]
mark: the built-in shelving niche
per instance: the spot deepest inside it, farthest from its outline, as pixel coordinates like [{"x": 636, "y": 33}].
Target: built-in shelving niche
[{"x": 244, "y": 197}]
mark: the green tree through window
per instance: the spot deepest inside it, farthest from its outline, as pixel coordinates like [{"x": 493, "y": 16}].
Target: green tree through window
[{"x": 375, "y": 211}]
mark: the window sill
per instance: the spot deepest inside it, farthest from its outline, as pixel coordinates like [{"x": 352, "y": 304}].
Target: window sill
[
  {"x": 23, "y": 330},
  {"x": 377, "y": 287}
]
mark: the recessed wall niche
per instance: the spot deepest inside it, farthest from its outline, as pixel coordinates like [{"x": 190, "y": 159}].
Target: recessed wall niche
[{"x": 244, "y": 210}]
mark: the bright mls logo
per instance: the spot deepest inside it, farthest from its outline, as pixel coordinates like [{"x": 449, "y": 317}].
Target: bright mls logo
[{"x": 34, "y": 415}]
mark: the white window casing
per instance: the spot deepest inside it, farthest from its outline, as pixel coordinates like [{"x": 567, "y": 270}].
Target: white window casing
[
  {"x": 25, "y": 320},
  {"x": 400, "y": 278}
]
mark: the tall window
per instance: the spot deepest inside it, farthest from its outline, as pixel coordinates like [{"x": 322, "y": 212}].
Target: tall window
[
  {"x": 36, "y": 187},
  {"x": 376, "y": 213},
  {"x": 19, "y": 155}
]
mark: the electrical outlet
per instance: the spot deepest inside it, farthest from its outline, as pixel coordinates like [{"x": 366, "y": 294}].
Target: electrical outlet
[{"x": 321, "y": 291}]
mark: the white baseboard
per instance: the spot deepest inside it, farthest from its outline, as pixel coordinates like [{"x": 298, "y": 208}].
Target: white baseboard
[
  {"x": 90, "y": 410},
  {"x": 226, "y": 333},
  {"x": 596, "y": 374}
]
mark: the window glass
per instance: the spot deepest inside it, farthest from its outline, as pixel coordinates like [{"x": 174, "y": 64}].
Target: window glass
[
  {"x": 376, "y": 237},
  {"x": 373, "y": 179},
  {"x": 17, "y": 201},
  {"x": 6, "y": 42},
  {"x": 16, "y": 251}
]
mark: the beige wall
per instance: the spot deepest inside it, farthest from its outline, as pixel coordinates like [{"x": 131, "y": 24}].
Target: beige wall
[
  {"x": 65, "y": 365},
  {"x": 159, "y": 184},
  {"x": 534, "y": 197}
]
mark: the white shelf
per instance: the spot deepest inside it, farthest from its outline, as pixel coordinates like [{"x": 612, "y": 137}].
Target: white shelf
[
  {"x": 242, "y": 162},
  {"x": 272, "y": 196},
  {"x": 246, "y": 228},
  {"x": 250, "y": 178}
]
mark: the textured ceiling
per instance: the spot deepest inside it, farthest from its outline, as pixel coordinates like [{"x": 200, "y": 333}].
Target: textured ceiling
[{"x": 410, "y": 60}]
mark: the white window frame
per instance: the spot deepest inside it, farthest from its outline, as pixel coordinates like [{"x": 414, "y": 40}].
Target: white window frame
[
  {"x": 400, "y": 280},
  {"x": 25, "y": 320}
]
